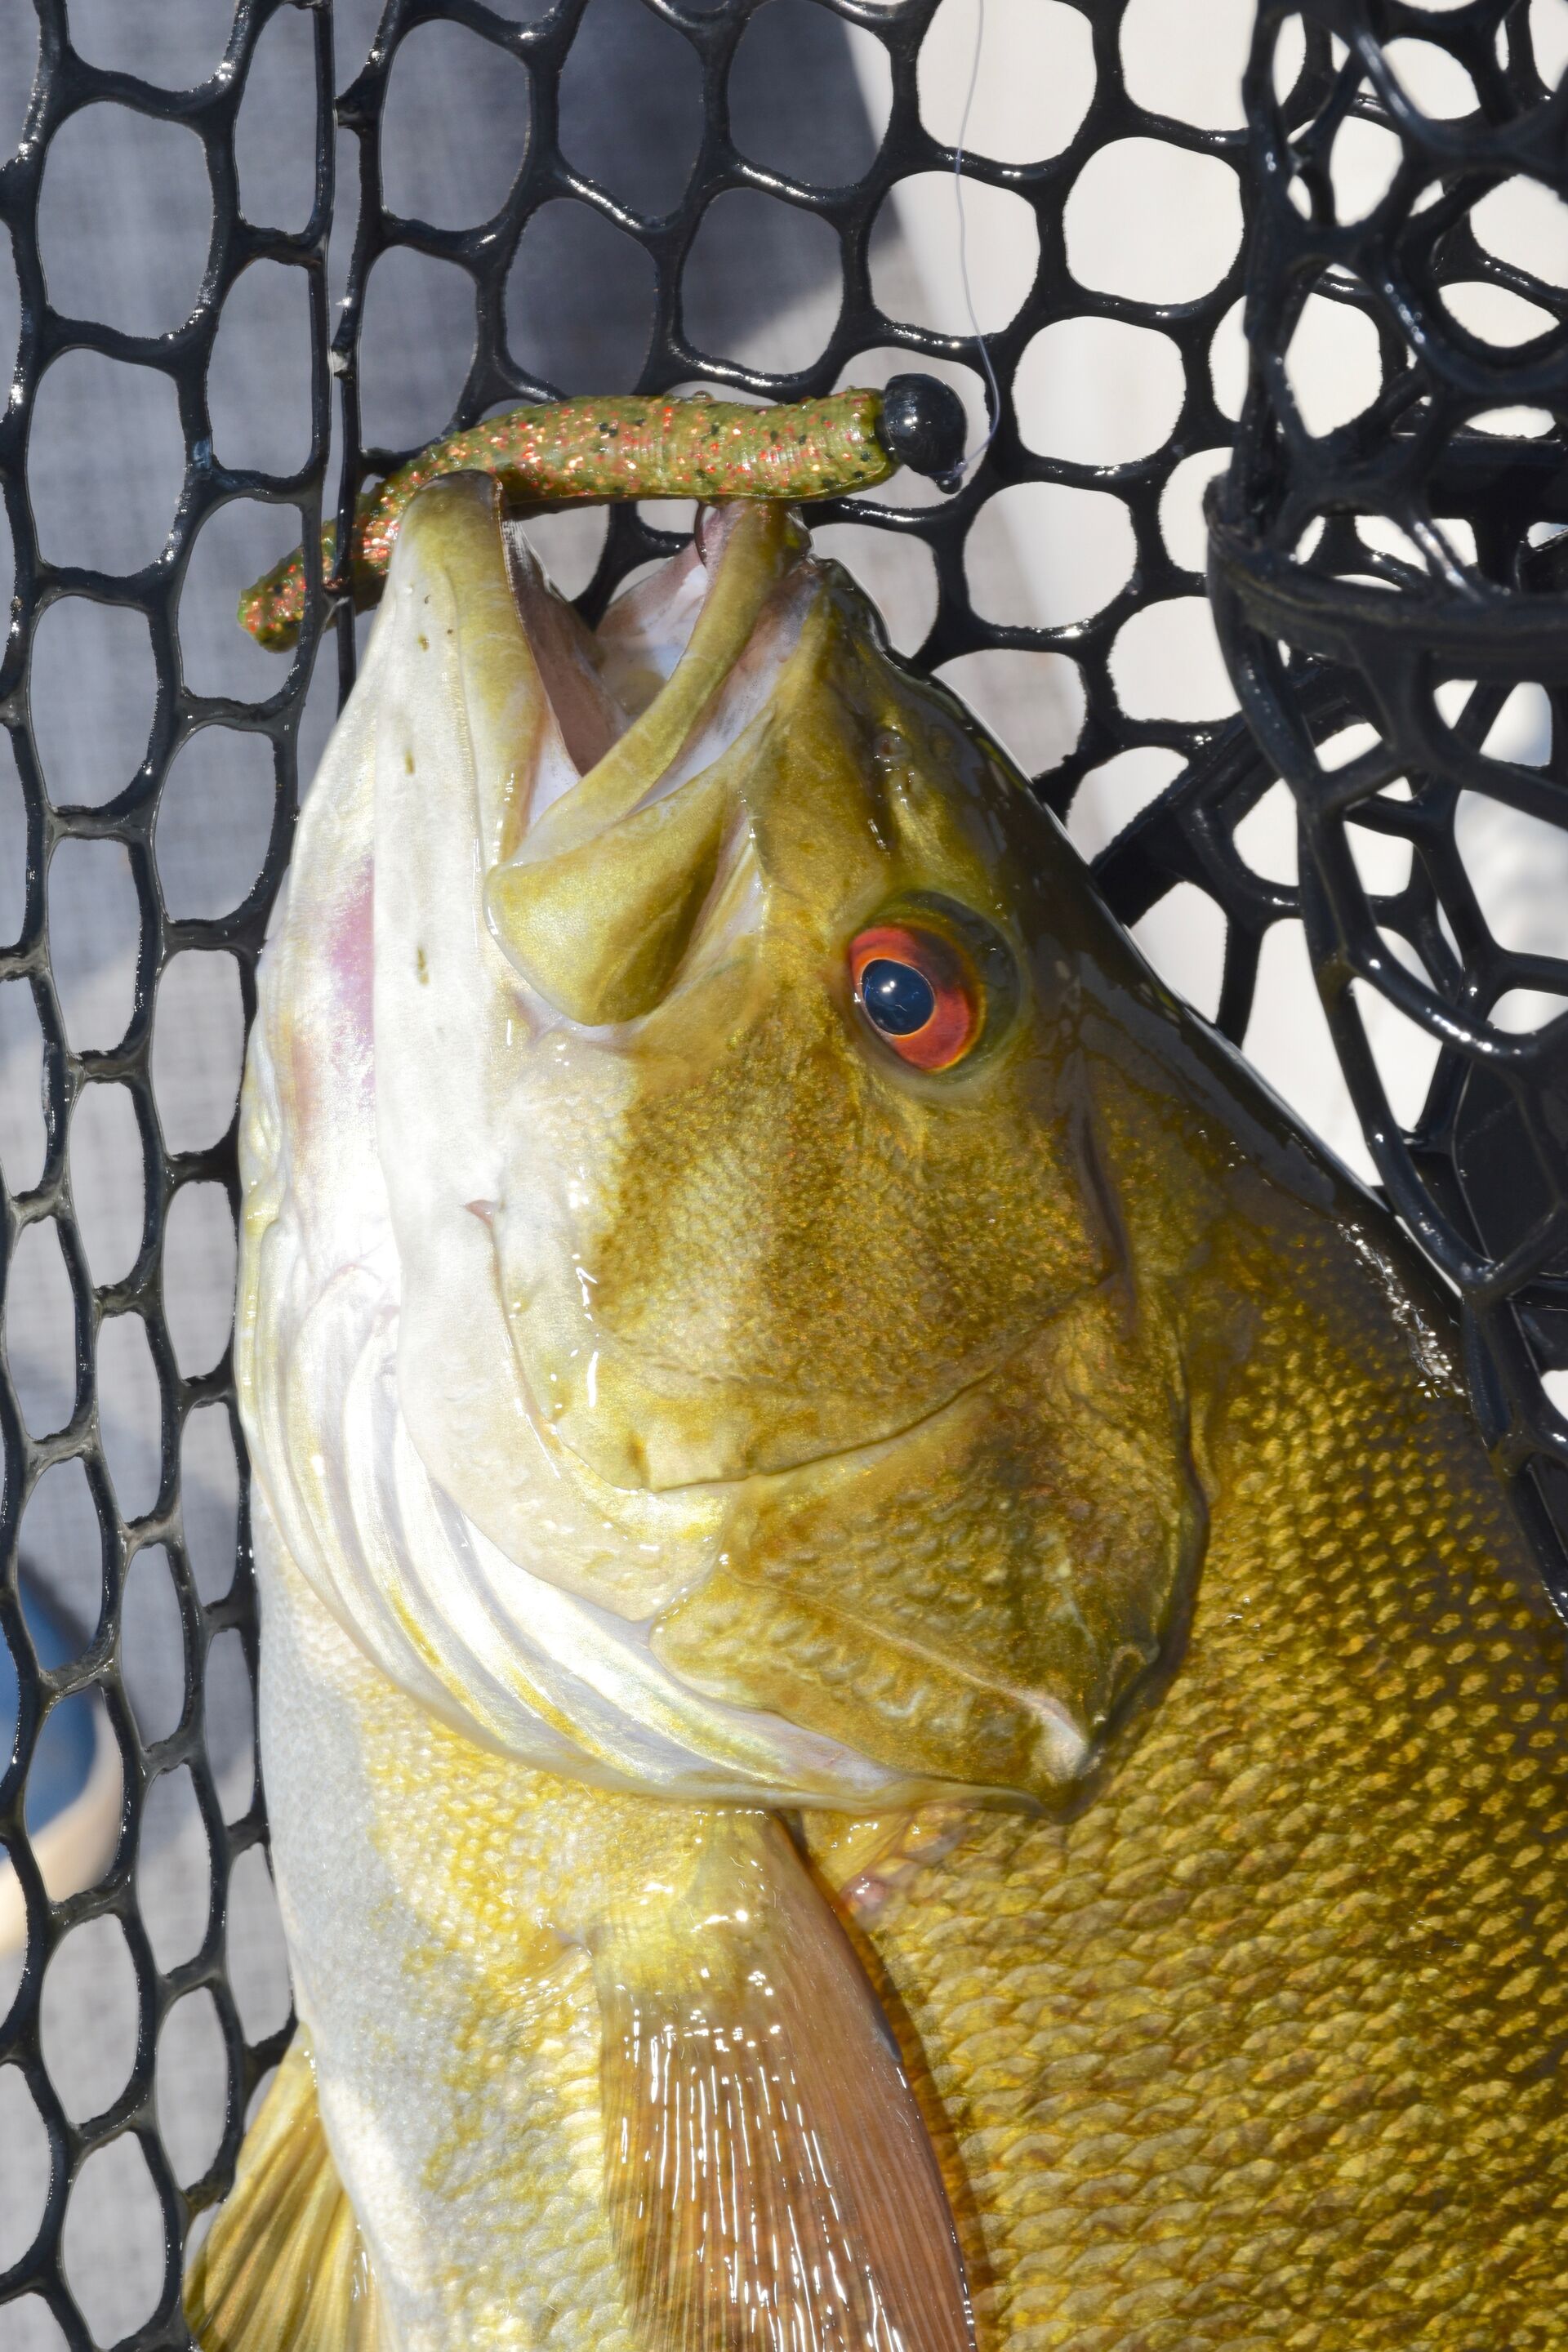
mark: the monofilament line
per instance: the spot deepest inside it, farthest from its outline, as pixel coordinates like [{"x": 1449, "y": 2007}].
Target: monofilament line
[{"x": 973, "y": 456}]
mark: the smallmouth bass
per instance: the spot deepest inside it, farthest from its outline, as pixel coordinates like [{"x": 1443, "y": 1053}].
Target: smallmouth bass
[{"x": 899, "y": 1706}]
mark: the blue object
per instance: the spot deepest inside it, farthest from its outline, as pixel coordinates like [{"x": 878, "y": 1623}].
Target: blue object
[{"x": 62, "y": 1761}]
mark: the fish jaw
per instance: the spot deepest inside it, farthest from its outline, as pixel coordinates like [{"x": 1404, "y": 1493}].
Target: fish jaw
[{"x": 481, "y": 1570}]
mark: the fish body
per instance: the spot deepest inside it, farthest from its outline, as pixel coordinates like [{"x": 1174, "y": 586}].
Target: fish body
[
  {"x": 899, "y": 1706},
  {"x": 1265, "y": 2046}
]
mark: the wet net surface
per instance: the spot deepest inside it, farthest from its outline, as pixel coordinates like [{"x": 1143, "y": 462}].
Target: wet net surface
[
  {"x": 95, "y": 559},
  {"x": 479, "y": 205},
  {"x": 1391, "y": 594}
]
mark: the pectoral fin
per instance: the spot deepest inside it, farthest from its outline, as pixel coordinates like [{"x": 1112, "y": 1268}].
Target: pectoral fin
[
  {"x": 770, "y": 2180},
  {"x": 283, "y": 2264}
]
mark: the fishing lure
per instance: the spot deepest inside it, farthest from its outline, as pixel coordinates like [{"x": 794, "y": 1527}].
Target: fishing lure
[{"x": 576, "y": 452}]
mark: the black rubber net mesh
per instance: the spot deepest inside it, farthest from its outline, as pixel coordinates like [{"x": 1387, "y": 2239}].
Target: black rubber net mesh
[{"x": 262, "y": 251}]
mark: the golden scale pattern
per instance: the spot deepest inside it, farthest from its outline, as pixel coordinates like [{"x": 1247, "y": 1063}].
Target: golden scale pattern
[
  {"x": 1261, "y": 2053},
  {"x": 1221, "y": 2056}
]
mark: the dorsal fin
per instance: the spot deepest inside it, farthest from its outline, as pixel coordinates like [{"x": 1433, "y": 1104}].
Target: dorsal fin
[
  {"x": 770, "y": 2180},
  {"x": 283, "y": 2264}
]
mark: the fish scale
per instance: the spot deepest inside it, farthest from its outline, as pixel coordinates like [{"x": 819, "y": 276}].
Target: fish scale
[
  {"x": 619, "y": 1501},
  {"x": 1265, "y": 2048}
]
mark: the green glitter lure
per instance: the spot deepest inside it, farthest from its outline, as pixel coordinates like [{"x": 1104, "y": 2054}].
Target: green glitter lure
[{"x": 581, "y": 452}]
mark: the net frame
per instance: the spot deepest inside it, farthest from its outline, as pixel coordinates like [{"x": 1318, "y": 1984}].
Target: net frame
[{"x": 1356, "y": 578}]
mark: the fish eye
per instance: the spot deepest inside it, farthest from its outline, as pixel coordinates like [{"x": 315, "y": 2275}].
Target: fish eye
[{"x": 919, "y": 992}]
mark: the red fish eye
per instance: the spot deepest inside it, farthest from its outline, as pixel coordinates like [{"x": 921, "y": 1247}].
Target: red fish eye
[{"x": 918, "y": 992}]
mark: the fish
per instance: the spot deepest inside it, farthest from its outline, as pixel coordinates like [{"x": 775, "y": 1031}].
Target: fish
[{"x": 901, "y": 1710}]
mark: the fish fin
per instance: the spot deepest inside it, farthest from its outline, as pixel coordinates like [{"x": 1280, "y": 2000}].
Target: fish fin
[
  {"x": 284, "y": 2262},
  {"x": 770, "y": 2180}
]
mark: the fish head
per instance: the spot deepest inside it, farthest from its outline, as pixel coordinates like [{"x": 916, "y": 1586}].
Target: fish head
[
  {"x": 730, "y": 993},
  {"x": 788, "y": 1237}
]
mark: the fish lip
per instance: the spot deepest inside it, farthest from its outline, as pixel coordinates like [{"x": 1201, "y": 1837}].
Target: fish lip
[{"x": 699, "y": 1487}]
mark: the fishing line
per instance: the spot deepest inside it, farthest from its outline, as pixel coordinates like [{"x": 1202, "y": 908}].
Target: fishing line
[{"x": 972, "y": 457}]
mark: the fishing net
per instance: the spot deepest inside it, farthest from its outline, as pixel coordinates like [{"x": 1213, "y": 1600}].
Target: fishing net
[
  {"x": 263, "y": 251},
  {"x": 1388, "y": 576}
]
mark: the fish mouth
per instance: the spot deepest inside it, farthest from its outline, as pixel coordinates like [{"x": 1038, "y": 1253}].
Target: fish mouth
[
  {"x": 638, "y": 1407},
  {"x": 632, "y": 1415},
  {"x": 825, "y": 1458}
]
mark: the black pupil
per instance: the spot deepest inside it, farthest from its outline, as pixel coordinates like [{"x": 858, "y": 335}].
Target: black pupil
[{"x": 896, "y": 997}]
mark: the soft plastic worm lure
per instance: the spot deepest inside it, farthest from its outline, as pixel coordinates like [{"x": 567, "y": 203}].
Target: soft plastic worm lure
[{"x": 577, "y": 452}]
